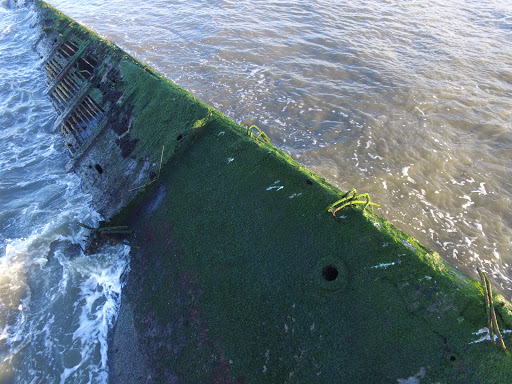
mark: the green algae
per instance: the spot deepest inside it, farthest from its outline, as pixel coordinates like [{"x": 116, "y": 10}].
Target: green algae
[
  {"x": 164, "y": 112},
  {"x": 253, "y": 255},
  {"x": 227, "y": 281}
]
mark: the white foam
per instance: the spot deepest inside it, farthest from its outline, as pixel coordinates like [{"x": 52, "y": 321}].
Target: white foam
[
  {"x": 280, "y": 123},
  {"x": 469, "y": 203},
  {"x": 375, "y": 157},
  {"x": 100, "y": 299},
  {"x": 481, "y": 190},
  {"x": 94, "y": 310},
  {"x": 405, "y": 173}
]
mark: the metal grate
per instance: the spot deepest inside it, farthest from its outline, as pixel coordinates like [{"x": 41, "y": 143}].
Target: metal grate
[
  {"x": 52, "y": 69},
  {"x": 68, "y": 49},
  {"x": 80, "y": 123},
  {"x": 66, "y": 90},
  {"x": 59, "y": 59},
  {"x": 86, "y": 65},
  {"x": 70, "y": 71}
]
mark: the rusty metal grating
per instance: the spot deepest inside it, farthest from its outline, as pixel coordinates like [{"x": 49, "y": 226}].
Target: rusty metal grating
[
  {"x": 67, "y": 73},
  {"x": 78, "y": 126},
  {"x": 64, "y": 91},
  {"x": 53, "y": 68},
  {"x": 71, "y": 69},
  {"x": 86, "y": 66},
  {"x": 68, "y": 49},
  {"x": 58, "y": 61}
]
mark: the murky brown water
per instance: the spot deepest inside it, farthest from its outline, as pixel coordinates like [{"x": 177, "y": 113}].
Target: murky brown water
[{"x": 410, "y": 101}]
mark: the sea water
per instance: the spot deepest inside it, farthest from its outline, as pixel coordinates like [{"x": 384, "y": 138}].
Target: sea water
[
  {"x": 410, "y": 101},
  {"x": 56, "y": 304}
]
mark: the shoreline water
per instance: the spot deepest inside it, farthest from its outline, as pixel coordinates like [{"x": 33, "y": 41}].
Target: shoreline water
[{"x": 52, "y": 298}]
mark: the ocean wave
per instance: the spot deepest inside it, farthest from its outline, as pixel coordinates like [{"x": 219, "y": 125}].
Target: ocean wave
[{"x": 56, "y": 304}]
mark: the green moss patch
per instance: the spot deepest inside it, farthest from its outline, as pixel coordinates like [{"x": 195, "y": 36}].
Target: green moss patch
[{"x": 253, "y": 234}]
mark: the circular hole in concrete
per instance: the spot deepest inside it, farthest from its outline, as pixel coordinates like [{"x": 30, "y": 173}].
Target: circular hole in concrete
[{"x": 330, "y": 272}]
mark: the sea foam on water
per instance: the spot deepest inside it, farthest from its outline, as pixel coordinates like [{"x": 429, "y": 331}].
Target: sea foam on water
[{"x": 56, "y": 304}]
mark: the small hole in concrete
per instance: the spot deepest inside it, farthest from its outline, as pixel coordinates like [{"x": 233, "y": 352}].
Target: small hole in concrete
[
  {"x": 330, "y": 272},
  {"x": 98, "y": 168},
  {"x": 453, "y": 358},
  {"x": 180, "y": 136}
]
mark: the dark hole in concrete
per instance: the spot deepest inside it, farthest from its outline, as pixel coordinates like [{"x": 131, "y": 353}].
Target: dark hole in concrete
[
  {"x": 309, "y": 182},
  {"x": 330, "y": 272},
  {"x": 127, "y": 145},
  {"x": 180, "y": 136},
  {"x": 453, "y": 358},
  {"x": 98, "y": 168}
]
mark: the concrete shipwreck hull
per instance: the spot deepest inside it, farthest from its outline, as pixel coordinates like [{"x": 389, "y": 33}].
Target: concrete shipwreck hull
[{"x": 239, "y": 274}]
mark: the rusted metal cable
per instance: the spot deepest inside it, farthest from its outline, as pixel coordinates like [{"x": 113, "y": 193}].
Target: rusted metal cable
[
  {"x": 262, "y": 135},
  {"x": 352, "y": 198},
  {"x": 491, "y": 314},
  {"x": 487, "y": 305}
]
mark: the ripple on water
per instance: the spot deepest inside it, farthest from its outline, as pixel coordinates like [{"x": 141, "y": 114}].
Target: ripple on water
[{"x": 56, "y": 305}]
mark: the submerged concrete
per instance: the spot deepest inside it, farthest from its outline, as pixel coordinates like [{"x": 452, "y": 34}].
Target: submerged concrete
[{"x": 239, "y": 274}]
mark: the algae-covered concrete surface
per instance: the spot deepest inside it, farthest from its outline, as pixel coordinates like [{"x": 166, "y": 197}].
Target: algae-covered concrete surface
[{"x": 238, "y": 272}]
